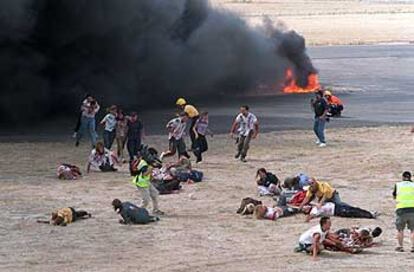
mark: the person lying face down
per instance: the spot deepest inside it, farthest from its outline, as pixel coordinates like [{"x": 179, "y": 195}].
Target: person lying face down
[
  {"x": 341, "y": 210},
  {"x": 263, "y": 212},
  {"x": 64, "y": 216},
  {"x": 132, "y": 214},
  {"x": 358, "y": 237}
]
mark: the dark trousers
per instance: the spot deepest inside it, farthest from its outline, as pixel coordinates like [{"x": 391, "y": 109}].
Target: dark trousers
[
  {"x": 177, "y": 145},
  {"x": 192, "y": 134},
  {"x": 243, "y": 144},
  {"x": 108, "y": 137},
  {"x": 76, "y": 215},
  {"x": 200, "y": 147},
  {"x": 345, "y": 210},
  {"x": 133, "y": 146},
  {"x": 335, "y": 110}
]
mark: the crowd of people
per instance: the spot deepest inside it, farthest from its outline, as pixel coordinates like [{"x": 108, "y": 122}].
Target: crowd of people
[{"x": 298, "y": 194}]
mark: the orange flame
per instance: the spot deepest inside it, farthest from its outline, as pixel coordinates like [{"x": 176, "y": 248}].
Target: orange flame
[{"x": 291, "y": 87}]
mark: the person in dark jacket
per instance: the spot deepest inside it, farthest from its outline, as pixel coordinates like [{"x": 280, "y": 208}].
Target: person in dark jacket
[
  {"x": 267, "y": 183},
  {"x": 132, "y": 214}
]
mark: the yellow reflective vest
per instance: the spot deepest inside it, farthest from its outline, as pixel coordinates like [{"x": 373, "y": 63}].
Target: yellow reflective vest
[
  {"x": 405, "y": 194},
  {"x": 142, "y": 180}
]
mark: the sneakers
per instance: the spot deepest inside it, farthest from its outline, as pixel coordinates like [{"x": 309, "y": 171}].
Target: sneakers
[
  {"x": 322, "y": 145},
  {"x": 75, "y": 134},
  {"x": 237, "y": 156},
  {"x": 374, "y": 214},
  {"x": 162, "y": 155},
  {"x": 243, "y": 160},
  {"x": 399, "y": 249},
  {"x": 317, "y": 142}
]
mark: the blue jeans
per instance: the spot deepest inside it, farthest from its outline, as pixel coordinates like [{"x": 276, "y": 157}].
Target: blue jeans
[
  {"x": 319, "y": 129},
  {"x": 88, "y": 124}
]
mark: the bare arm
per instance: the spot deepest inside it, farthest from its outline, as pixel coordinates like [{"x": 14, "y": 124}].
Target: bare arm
[
  {"x": 315, "y": 247},
  {"x": 233, "y": 127},
  {"x": 304, "y": 202},
  {"x": 256, "y": 130}
]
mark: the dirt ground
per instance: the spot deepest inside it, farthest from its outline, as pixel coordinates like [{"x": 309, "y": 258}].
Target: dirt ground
[
  {"x": 333, "y": 21},
  {"x": 200, "y": 231}
]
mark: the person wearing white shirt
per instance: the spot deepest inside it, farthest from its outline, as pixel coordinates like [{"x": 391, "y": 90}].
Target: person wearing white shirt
[
  {"x": 109, "y": 121},
  {"x": 247, "y": 126}
]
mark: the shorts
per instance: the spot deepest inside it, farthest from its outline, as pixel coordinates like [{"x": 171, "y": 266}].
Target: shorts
[{"x": 403, "y": 220}]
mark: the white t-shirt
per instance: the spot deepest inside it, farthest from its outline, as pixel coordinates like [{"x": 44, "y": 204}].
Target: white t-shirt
[
  {"x": 246, "y": 123},
  {"x": 96, "y": 159},
  {"x": 327, "y": 209},
  {"x": 110, "y": 122},
  {"x": 307, "y": 237},
  {"x": 176, "y": 128},
  {"x": 272, "y": 213}
]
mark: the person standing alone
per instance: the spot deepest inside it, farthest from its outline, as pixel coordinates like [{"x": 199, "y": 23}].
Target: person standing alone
[
  {"x": 248, "y": 128},
  {"x": 404, "y": 196},
  {"x": 321, "y": 108}
]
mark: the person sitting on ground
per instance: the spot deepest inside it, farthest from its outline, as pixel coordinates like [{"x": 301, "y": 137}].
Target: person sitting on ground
[
  {"x": 323, "y": 191},
  {"x": 132, "y": 214},
  {"x": 297, "y": 182},
  {"x": 68, "y": 172},
  {"x": 263, "y": 212},
  {"x": 311, "y": 241},
  {"x": 341, "y": 210},
  {"x": 64, "y": 216},
  {"x": 267, "y": 183},
  {"x": 101, "y": 158},
  {"x": 335, "y": 104}
]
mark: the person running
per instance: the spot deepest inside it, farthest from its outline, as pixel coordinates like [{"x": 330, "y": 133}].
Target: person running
[
  {"x": 121, "y": 134},
  {"x": 247, "y": 126},
  {"x": 193, "y": 116},
  {"x": 102, "y": 159},
  {"x": 341, "y": 210},
  {"x": 134, "y": 135},
  {"x": 201, "y": 130},
  {"x": 89, "y": 110},
  {"x": 404, "y": 196},
  {"x": 79, "y": 119},
  {"x": 323, "y": 191},
  {"x": 109, "y": 121},
  {"x": 176, "y": 129},
  {"x": 142, "y": 176},
  {"x": 132, "y": 214},
  {"x": 321, "y": 108},
  {"x": 335, "y": 104},
  {"x": 311, "y": 241}
]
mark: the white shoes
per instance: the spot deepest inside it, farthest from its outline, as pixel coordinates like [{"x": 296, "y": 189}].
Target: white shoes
[
  {"x": 162, "y": 155},
  {"x": 322, "y": 145},
  {"x": 317, "y": 142}
]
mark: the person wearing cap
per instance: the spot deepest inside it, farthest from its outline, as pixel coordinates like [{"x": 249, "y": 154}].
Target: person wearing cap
[
  {"x": 142, "y": 176},
  {"x": 247, "y": 126},
  {"x": 132, "y": 214},
  {"x": 320, "y": 107},
  {"x": 176, "y": 129},
  {"x": 404, "y": 196},
  {"x": 134, "y": 135},
  {"x": 335, "y": 104},
  {"x": 193, "y": 116},
  {"x": 109, "y": 121},
  {"x": 323, "y": 191}
]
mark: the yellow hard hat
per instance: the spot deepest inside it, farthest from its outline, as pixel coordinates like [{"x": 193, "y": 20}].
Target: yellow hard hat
[
  {"x": 181, "y": 101},
  {"x": 328, "y": 93}
]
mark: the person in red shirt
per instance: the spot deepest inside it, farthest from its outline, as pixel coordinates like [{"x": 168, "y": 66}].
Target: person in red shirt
[{"x": 335, "y": 104}]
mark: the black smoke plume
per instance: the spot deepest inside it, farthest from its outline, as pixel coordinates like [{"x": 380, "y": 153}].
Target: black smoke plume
[{"x": 132, "y": 52}]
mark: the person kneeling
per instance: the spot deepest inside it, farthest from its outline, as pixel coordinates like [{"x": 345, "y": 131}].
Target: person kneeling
[
  {"x": 132, "y": 214},
  {"x": 101, "y": 158}
]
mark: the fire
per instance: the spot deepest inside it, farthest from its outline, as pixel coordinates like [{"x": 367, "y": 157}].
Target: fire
[{"x": 291, "y": 87}]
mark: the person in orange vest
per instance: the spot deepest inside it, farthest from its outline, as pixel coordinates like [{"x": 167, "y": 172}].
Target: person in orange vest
[{"x": 335, "y": 104}]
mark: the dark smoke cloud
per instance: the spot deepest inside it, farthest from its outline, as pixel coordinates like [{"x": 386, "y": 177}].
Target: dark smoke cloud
[{"x": 132, "y": 52}]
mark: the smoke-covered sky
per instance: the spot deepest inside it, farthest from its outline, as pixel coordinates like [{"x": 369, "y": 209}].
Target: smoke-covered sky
[{"x": 132, "y": 52}]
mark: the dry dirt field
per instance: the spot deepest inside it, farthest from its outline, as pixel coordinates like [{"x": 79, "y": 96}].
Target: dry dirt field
[
  {"x": 334, "y": 21},
  {"x": 200, "y": 231}
]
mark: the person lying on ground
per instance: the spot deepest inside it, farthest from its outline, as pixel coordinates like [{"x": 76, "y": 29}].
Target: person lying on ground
[
  {"x": 64, "y": 216},
  {"x": 267, "y": 183},
  {"x": 263, "y": 212},
  {"x": 296, "y": 183},
  {"x": 244, "y": 209},
  {"x": 341, "y": 210},
  {"x": 132, "y": 214},
  {"x": 360, "y": 237},
  {"x": 323, "y": 192},
  {"x": 101, "y": 158},
  {"x": 68, "y": 172}
]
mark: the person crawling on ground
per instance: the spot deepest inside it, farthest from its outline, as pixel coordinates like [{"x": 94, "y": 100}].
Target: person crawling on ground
[
  {"x": 101, "y": 158},
  {"x": 296, "y": 183},
  {"x": 359, "y": 237},
  {"x": 68, "y": 172},
  {"x": 64, "y": 216},
  {"x": 263, "y": 212},
  {"x": 267, "y": 183},
  {"x": 341, "y": 210},
  {"x": 132, "y": 214}
]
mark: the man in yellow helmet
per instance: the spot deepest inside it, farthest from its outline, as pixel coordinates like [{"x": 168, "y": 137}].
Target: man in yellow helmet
[
  {"x": 192, "y": 114},
  {"x": 404, "y": 196}
]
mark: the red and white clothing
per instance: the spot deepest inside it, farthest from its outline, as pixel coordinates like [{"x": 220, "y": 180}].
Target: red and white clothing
[
  {"x": 176, "y": 128},
  {"x": 273, "y": 213},
  {"x": 96, "y": 159},
  {"x": 307, "y": 237}
]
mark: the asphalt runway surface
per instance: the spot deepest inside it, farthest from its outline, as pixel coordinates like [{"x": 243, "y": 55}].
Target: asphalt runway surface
[{"x": 375, "y": 82}]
